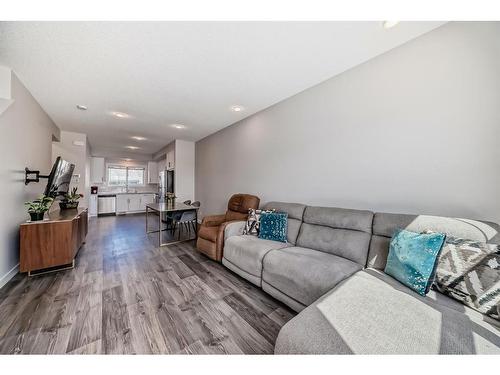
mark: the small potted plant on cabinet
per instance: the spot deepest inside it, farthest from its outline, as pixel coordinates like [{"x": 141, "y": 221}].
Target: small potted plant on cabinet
[
  {"x": 38, "y": 207},
  {"x": 70, "y": 200}
]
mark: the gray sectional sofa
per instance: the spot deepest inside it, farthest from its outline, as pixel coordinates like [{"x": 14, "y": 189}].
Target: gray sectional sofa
[{"x": 331, "y": 271}]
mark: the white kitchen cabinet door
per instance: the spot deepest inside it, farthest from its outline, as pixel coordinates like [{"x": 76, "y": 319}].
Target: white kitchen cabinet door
[
  {"x": 93, "y": 205},
  {"x": 134, "y": 203},
  {"x": 97, "y": 171},
  {"x": 122, "y": 203},
  {"x": 146, "y": 199},
  {"x": 162, "y": 164},
  {"x": 171, "y": 159},
  {"x": 152, "y": 172}
]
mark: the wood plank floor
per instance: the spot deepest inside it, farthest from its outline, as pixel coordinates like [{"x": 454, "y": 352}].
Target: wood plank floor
[{"x": 128, "y": 296}]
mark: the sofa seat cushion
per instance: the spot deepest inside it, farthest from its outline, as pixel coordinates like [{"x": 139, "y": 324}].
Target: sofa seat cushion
[
  {"x": 246, "y": 252},
  {"x": 208, "y": 233},
  {"x": 305, "y": 274},
  {"x": 371, "y": 313}
]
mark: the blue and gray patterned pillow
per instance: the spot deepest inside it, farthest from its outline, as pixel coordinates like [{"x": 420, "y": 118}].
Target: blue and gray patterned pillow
[
  {"x": 273, "y": 226},
  {"x": 469, "y": 271},
  {"x": 412, "y": 258},
  {"x": 252, "y": 226}
]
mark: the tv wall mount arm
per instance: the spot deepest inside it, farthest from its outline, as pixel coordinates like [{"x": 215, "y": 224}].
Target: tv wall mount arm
[{"x": 28, "y": 176}]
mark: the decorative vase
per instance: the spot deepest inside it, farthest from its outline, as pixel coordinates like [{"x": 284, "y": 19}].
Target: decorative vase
[
  {"x": 36, "y": 216},
  {"x": 67, "y": 206}
]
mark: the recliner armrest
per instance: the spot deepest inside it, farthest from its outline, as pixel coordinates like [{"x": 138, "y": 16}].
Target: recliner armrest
[
  {"x": 234, "y": 228},
  {"x": 220, "y": 237},
  {"x": 213, "y": 220}
]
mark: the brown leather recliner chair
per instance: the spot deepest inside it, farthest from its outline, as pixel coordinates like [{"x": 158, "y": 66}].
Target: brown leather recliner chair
[{"x": 211, "y": 233}]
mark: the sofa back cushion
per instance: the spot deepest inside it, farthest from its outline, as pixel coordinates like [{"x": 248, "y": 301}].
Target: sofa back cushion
[
  {"x": 386, "y": 224},
  {"x": 295, "y": 213},
  {"x": 339, "y": 231}
]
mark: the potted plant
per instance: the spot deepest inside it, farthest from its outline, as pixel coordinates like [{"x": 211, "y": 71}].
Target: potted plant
[
  {"x": 70, "y": 199},
  {"x": 38, "y": 207}
]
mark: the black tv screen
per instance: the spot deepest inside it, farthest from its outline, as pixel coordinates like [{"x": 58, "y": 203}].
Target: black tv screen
[{"x": 59, "y": 178}]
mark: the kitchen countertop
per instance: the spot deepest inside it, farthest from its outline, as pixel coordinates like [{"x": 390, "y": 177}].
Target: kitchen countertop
[
  {"x": 58, "y": 215},
  {"x": 120, "y": 193}
]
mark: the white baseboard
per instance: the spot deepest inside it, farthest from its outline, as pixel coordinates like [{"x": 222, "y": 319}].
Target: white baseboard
[{"x": 9, "y": 275}]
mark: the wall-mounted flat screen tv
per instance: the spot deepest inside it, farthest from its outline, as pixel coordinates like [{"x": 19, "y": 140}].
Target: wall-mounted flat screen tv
[{"x": 59, "y": 178}]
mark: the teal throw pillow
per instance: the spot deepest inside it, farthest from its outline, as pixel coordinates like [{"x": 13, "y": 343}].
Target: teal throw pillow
[
  {"x": 273, "y": 226},
  {"x": 412, "y": 258}
]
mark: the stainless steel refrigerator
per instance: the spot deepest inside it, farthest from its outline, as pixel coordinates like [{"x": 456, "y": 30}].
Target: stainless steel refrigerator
[
  {"x": 166, "y": 183},
  {"x": 162, "y": 189}
]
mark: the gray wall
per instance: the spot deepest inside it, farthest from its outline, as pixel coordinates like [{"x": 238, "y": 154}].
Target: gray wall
[
  {"x": 416, "y": 129},
  {"x": 77, "y": 155},
  {"x": 26, "y": 141}
]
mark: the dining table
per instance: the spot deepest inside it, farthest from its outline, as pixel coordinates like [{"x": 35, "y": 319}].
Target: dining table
[{"x": 163, "y": 209}]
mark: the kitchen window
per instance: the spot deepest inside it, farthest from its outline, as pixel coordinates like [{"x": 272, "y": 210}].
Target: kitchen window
[
  {"x": 125, "y": 176},
  {"x": 135, "y": 176}
]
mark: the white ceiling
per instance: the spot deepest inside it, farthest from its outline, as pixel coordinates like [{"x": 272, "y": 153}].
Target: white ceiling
[{"x": 191, "y": 73}]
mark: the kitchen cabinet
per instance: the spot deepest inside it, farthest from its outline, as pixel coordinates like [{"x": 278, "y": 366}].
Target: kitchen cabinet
[
  {"x": 152, "y": 172},
  {"x": 134, "y": 203},
  {"x": 93, "y": 205},
  {"x": 162, "y": 165},
  {"x": 97, "y": 170},
  {"x": 126, "y": 203},
  {"x": 147, "y": 199},
  {"x": 54, "y": 241},
  {"x": 171, "y": 159},
  {"x": 122, "y": 203}
]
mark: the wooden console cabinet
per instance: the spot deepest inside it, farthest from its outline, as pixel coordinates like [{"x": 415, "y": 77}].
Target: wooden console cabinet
[{"x": 53, "y": 242}]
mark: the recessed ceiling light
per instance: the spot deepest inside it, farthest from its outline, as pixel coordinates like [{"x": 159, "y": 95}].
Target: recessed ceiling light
[
  {"x": 137, "y": 138},
  {"x": 132, "y": 147},
  {"x": 127, "y": 159},
  {"x": 81, "y": 107},
  {"x": 178, "y": 126},
  {"x": 237, "y": 108},
  {"x": 120, "y": 114},
  {"x": 389, "y": 24}
]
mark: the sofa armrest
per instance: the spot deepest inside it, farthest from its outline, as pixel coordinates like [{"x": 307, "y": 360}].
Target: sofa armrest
[
  {"x": 234, "y": 228},
  {"x": 221, "y": 236},
  {"x": 213, "y": 220}
]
